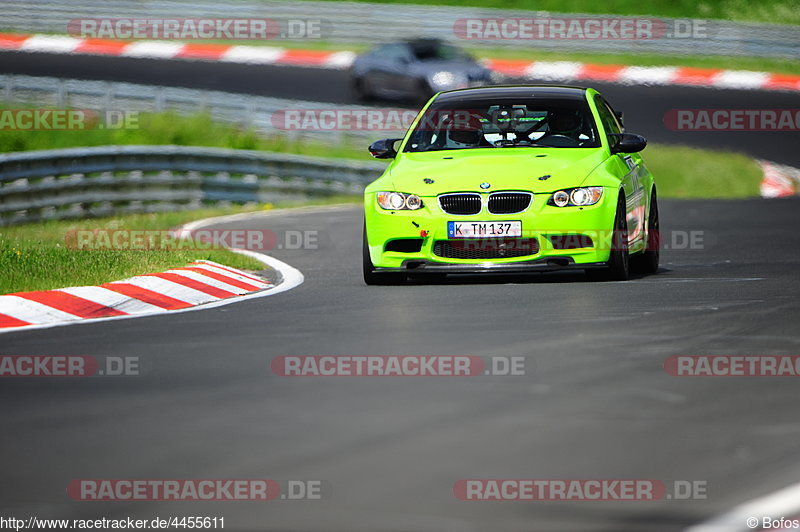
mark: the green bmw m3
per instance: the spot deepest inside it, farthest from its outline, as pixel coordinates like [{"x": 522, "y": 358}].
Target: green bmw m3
[{"x": 512, "y": 179}]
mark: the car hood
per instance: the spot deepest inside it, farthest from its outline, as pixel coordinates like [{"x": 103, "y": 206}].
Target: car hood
[{"x": 501, "y": 168}]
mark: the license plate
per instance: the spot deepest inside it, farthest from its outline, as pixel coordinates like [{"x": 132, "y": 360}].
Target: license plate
[{"x": 483, "y": 229}]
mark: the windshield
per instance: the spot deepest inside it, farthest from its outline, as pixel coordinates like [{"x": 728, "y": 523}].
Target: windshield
[{"x": 540, "y": 123}]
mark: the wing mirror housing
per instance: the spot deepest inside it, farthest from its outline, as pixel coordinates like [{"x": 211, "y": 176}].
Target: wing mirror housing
[
  {"x": 627, "y": 143},
  {"x": 383, "y": 149}
]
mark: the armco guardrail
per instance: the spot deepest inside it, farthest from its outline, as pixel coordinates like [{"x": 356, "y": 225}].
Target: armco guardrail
[
  {"x": 243, "y": 109},
  {"x": 82, "y": 182},
  {"x": 374, "y": 22}
]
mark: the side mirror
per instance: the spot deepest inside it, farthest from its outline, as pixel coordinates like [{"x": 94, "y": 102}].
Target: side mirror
[
  {"x": 383, "y": 149},
  {"x": 627, "y": 143}
]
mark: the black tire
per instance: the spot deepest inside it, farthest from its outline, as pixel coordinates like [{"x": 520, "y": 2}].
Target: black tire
[
  {"x": 372, "y": 278},
  {"x": 360, "y": 91},
  {"x": 618, "y": 266},
  {"x": 647, "y": 261}
]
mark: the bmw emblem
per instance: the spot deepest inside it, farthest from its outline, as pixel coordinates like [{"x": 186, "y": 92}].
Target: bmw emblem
[{"x": 485, "y": 185}]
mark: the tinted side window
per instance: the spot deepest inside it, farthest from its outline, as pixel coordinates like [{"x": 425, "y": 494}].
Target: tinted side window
[
  {"x": 610, "y": 122},
  {"x": 614, "y": 116}
]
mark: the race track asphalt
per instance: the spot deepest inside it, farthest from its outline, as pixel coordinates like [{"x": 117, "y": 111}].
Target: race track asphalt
[{"x": 595, "y": 401}]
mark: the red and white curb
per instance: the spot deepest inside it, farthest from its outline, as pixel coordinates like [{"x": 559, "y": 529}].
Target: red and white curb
[
  {"x": 642, "y": 75},
  {"x": 779, "y": 180},
  {"x": 269, "y": 55},
  {"x": 257, "y": 55},
  {"x": 199, "y": 285}
]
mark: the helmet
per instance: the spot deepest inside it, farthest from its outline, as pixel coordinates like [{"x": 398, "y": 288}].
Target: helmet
[
  {"x": 465, "y": 130},
  {"x": 465, "y": 136},
  {"x": 564, "y": 122}
]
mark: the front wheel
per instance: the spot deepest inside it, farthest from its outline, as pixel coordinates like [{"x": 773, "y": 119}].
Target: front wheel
[
  {"x": 647, "y": 261},
  {"x": 360, "y": 90},
  {"x": 618, "y": 266},
  {"x": 373, "y": 278}
]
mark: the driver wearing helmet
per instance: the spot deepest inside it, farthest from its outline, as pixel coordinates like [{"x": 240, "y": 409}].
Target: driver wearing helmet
[
  {"x": 564, "y": 122},
  {"x": 465, "y": 133},
  {"x": 463, "y": 138}
]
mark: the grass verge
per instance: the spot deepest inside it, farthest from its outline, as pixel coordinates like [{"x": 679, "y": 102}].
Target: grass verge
[
  {"x": 170, "y": 128},
  {"x": 684, "y": 172},
  {"x": 36, "y": 256}
]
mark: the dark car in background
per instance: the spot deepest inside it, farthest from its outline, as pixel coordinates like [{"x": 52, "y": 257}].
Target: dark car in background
[{"x": 415, "y": 70}]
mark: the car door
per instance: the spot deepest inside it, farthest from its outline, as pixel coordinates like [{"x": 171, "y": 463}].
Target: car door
[
  {"x": 631, "y": 182},
  {"x": 389, "y": 73}
]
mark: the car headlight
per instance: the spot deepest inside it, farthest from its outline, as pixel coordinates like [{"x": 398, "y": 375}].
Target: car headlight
[
  {"x": 560, "y": 198},
  {"x": 576, "y": 197},
  {"x": 445, "y": 79},
  {"x": 398, "y": 201}
]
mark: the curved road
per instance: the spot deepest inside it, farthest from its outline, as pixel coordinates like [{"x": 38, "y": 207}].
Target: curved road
[
  {"x": 595, "y": 401},
  {"x": 644, "y": 107}
]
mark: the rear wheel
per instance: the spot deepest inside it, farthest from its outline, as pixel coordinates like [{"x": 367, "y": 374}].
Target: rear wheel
[
  {"x": 373, "y": 278},
  {"x": 618, "y": 266},
  {"x": 647, "y": 261}
]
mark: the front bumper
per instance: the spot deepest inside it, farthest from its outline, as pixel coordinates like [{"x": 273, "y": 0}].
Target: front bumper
[
  {"x": 539, "y": 265},
  {"x": 540, "y": 221}
]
